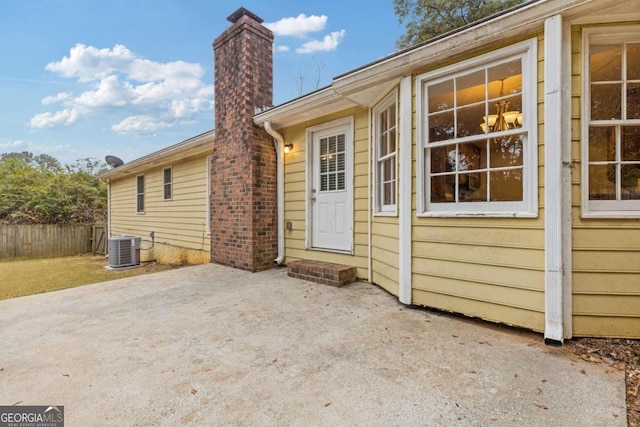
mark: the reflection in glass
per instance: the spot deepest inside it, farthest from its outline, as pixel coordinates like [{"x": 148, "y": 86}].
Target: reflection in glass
[
  {"x": 506, "y": 151},
  {"x": 633, "y": 61},
  {"x": 602, "y": 144},
  {"x": 506, "y": 185},
  {"x": 602, "y": 184},
  {"x": 441, "y": 96},
  {"x": 631, "y": 143},
  {"x": 441, "y": 126},
  {"x": 470, "y": 88},
  {"x": 633, "y": 101},
  {"x": 630, "y": 177},
  {"x": 606, "y": 100},
  {"x": 605, "y": 63}
]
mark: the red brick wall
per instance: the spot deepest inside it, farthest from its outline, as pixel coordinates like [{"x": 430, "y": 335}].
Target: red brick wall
[{"x": 243, "y": 178}]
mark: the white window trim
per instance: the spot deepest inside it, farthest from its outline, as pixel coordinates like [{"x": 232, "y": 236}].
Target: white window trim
[
  {"x": 144, "y": 188},
  {"x": 528, "y": 207},
  {"x": 602, "y": 208},
  {"x": 379, "y": 208},
  {"x": 164, "y": 184}
]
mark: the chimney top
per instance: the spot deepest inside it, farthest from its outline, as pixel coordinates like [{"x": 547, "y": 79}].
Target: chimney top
[{"x": 242, "y": 12}]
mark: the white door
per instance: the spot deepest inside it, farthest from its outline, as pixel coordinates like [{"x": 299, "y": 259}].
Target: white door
[{"x": 331, "y": 191}]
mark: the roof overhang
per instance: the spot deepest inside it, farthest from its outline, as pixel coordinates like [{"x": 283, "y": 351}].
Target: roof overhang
[
  {"x": 366, "y": 85},
  {"x": 198, "y": 144}
]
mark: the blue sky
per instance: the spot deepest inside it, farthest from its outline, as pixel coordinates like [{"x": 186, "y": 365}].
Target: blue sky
[{"x": 85, "y": 78}]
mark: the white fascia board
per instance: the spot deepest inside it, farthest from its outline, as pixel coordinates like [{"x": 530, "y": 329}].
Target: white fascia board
[
  {"x": 322, "y": 102},
  {"x": 196, "y": 145},
  {"x": 501, "y": 29}
]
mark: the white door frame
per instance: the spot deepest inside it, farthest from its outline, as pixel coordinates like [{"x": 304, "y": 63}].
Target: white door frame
[{"x": 346, "y": 124}]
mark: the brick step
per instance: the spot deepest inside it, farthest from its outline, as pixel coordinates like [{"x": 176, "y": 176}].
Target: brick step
[{"x": 326, "y": 273}]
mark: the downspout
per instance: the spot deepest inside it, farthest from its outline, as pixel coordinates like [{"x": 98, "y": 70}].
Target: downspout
[
  {"x": 370, "y": 201},
  {"x": 278, "y": 142}
]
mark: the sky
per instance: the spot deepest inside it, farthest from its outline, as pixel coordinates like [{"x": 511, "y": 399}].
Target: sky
[{"x": 84, "y": 78}]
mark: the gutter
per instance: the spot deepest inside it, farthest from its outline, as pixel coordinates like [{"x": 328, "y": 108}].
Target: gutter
[{"x": 279, "y": 144}]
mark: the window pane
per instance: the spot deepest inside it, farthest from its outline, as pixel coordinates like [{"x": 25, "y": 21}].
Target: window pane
[
  {"x": 324, "y": 164},
  {"x": 392, "y": 140},
  {"x": 630, "y": 177},
  {"x": 324, "y": 146},
  {"x": 631, "y": 143},
  {"x": 389, "y": 167},
  {"x": 389, "y": 196},
  {"x": 605, "y": 63},
  {"x": 324, "y": 183},
  {"x": 392, "y": 116},
  {"x": 470, "y": 88},
  {"x": 341, "y": 181},
  {"x": 167, "y": 191},
  {"x": 443, "y": 159},
  {"x": 140, "y": 184},
  {"x": 506, "y": 186},
  {"x": 602, "y": 182},
  {"x": 442, "y": 189},
  {"x": 332, "y": 181},
  {"x": 602, "y": 144},
  {"x": 440, "y": 96},
  {"x": 469, "y": 157},
  {"x": 633, "y": 61},
  {"x": 505, "y": 79},
  {"x": 332, "y": 145},
  {"x": 633, "y": 100},
  {"x": 472, "y": 187},
  {"x": 469, "y": 120},
  {"x": 341, "y": 141},
  {"x": 383, "y": 145},
  {"x": 441, "y": 126},
  {"x": 506, "y": 152},
  {"x": 606, "y": 101}
]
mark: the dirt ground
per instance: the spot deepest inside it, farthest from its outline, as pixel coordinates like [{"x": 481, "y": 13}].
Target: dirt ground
[{"x": 621, "y": 354}]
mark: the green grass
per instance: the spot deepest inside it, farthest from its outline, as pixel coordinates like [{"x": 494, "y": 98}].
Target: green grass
[{"x": 19, "y": 278}]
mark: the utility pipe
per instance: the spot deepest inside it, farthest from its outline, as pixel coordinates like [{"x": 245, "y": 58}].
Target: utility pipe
[{"x": 279, "y": 144}]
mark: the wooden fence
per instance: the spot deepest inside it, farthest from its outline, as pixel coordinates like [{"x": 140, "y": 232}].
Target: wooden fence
[{"x": 48, "y": 241}]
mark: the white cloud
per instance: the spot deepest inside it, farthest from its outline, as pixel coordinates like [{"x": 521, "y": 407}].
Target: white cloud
[
  {"x": 283, "y": 48},
  {"x": 153, "y": 94},
  {"x": 140, "y": 125},
  {"x": 60, "y": 97},
  {"x": 59, "y": 118},
  {"x": 4, "y": 145},
  {"x": 328, "y": 43},
  {"x": 298, "y": 26},
  {"x": 88, "y": 63}
]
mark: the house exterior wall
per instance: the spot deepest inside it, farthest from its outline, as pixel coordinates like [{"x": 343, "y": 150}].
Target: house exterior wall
[
  {"x": 179, "y": 224},
  {"x": 606, "y": 252},
  {"x": 492, "y": 268},
  {"x": 295, "y": 202}
]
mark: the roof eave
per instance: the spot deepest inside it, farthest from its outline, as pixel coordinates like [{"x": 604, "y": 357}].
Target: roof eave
[{"x": 190, "y": 147}]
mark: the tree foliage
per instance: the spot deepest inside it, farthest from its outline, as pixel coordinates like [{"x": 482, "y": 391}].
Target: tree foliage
[
  {"x": 38, "y": 190},
  {"x": 425, "y": 19}
]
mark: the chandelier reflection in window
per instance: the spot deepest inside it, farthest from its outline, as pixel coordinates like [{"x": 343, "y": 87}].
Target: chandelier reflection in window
[{"x": 503, "y": 119}]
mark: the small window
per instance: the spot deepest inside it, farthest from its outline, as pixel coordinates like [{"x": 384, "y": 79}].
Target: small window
[
  {"x": 385, "y": 140},
  {"x": 166, "y": 173},
  {"x": 140, "y": 194},
  {"x": 611, "y": 140},
  {"x": 477, "y": 122}
]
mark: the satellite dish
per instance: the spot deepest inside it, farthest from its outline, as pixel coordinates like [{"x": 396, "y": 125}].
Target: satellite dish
[{"x": 113, "y": 161}]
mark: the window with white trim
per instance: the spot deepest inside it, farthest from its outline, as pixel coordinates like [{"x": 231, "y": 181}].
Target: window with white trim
[
  {"x": 611, "y": 136},
  {"x": 385, "y": 140},
  {"x": 476, "y": 136},
  {"x": 167, "y": 181},
  {"x": 140, "y": 194}
]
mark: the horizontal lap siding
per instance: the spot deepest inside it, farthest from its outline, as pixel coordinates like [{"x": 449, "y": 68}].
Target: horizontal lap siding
[
  {"x": 295, "y": 184},
  {"x": 492, "y": 268},
  {"x": 606, "y": 252},
  {"x": 384, "y": 253},
  {"x": 178, "y": 223}
]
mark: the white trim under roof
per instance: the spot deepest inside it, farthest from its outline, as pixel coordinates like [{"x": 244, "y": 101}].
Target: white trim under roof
[{"x": 196, "y": 145}]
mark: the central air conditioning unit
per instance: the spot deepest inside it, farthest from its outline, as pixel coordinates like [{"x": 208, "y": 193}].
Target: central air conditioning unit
[{"x": 124, "y": 251}]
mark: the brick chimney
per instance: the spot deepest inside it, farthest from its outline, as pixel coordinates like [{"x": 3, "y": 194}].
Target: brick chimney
[{"x": 243, "y": 165}]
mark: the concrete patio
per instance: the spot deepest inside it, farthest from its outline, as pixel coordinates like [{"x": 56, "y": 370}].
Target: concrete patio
[{"x": 208, "y": 345}]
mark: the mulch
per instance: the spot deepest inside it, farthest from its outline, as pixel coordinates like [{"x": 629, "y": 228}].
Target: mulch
[{"x": 621, "y": 354}]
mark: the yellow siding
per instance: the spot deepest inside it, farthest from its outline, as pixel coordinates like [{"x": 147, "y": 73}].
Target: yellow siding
[
  {"x": 295, "y": 204},
  {"x": 606, "y": 252},
  {"x": 492, "y": 268},
  {"x": 179, "y": 225}
]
